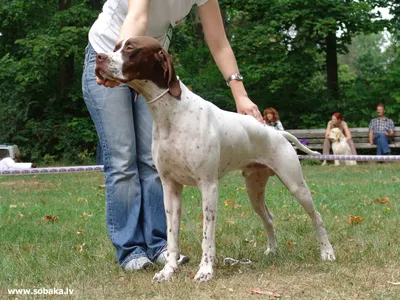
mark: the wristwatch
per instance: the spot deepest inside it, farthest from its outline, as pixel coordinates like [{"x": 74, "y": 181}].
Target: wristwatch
[{"x": 236, "y": 76}]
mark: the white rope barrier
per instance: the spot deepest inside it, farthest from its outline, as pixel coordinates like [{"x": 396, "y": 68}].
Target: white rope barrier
[
  {"x": 52, "y": 170},
  {"x": 353, "y": 157},
  {"x": 100, "y": 168}
]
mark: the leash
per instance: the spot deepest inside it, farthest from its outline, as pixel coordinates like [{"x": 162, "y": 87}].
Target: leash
[
  {"x": 158, "y": 97},
  {"x": 192, "y": 229},
  {"x": 228, "y": 261}
]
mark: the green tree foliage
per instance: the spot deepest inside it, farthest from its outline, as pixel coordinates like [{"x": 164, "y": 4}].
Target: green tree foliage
[
  {"x": 42, "y": 47},
  {"x": 287, "y": 51}
]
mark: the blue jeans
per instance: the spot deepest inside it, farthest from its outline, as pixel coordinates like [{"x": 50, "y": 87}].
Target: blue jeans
[
  {"x": 382, "y": 143},
  {"x": 135, "y": 213}
]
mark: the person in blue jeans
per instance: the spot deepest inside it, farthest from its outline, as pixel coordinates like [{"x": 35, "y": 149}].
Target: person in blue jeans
[
  {"x": 135, "y": 214},
  {"x": 381, "y": 130}
]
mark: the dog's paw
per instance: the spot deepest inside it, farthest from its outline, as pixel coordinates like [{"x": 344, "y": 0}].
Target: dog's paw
[
  {"x": 270, "y": 250},
  {"x": 204, "y": 274},
  {"x": 164, "y": 275},
  {"x": 328, "y": 254}
]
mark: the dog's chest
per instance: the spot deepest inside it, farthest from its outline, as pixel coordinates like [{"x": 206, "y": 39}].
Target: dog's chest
[
  {"x": 341, "y": 147},
  {"x": 173, "y": 161}
]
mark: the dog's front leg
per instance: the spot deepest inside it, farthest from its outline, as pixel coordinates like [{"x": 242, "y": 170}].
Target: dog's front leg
[
  {"x": 172, "y": 204},
  {"x": 209, "y": 192}
]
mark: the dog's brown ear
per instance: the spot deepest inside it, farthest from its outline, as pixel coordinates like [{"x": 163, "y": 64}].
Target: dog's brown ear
[{"x": 169, "y": 74}]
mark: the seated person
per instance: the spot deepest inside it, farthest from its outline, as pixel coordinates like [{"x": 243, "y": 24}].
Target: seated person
[
  {"x": 337, "y": 122},
  {"x": 381, "y": 129},
  {"x": 271, "y": 118}
]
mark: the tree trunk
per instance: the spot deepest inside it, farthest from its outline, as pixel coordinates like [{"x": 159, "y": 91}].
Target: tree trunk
[
  {"x": 67, "y": 65},
  {"x": 332, "y": 66}
]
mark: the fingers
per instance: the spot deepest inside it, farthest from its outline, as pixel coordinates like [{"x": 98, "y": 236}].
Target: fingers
[
  {"x": 100, "y": 81},
  {"x": 111, "y": 83},
  {"x": 253, "y": 111},
  {"x": 107, "y": 82},
  {"x": 257, "y": 114}
]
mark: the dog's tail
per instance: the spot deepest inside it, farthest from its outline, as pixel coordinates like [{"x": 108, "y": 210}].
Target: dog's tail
[{"x": 299, "y": 145}]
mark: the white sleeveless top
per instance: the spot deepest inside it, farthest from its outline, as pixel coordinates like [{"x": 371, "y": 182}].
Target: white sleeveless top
[{"x": 163, "y": 15}]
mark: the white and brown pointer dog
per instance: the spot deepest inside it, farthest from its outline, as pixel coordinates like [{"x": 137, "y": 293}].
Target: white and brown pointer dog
[{"x": 195, "y": 143}]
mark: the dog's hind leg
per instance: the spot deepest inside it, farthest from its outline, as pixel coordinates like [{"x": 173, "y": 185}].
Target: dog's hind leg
[
  {"x": 292, "y": 178},
  {"x": 256, "y": 180}
]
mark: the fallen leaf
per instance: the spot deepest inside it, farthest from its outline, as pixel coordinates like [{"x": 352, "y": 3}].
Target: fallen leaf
[
  {"x": 80, "y": 231},
  {"x": 355, "y": 220},
  {"x": 383, "y": 200},
  {"x": 230, "y": 203},
  {"x": 102, "y": 186},
  {"x": 260, "y": 292},
  {"x": 13, "y": 206},
  {"x": 230, "y": 222},
  {"x": 49, "y": 219},
  {"x": 79, "y": 248},
  {"x": 290, "y": 244},
  {"x": 21, "y": 216},
  {"x": 85, "y": 215}
]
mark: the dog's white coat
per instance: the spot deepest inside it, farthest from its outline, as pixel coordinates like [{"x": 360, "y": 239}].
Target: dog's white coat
[
  {"x": 115, "y": 63},
  {"x": 196, "y": 143},
  {"x": 340, "y": 146}
]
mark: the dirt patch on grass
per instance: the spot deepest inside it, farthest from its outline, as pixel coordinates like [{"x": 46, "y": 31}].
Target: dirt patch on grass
[
  {"x": 36, "y": 185},
  {"x": 330, "y": 281}
]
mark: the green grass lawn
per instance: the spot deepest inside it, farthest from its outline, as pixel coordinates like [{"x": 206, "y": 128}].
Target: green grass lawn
[{"x": 53, "y": 235}]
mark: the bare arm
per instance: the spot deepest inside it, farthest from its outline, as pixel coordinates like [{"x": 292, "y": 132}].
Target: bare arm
[
  {"x": 135, "y": 24},
  {"x": 136, "y": 20},
  {"x": 328, "y": 129},
  {"x": 371, "y": 137},
  {"x": 223, "y": 55},
  {"x": 347, "y": 132},
  {"x": 390, "y": 134}
]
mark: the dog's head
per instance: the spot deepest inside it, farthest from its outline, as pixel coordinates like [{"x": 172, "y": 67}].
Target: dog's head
[
  {"x": 335, "y": 135},
  {"x": 139, "y": 58}
]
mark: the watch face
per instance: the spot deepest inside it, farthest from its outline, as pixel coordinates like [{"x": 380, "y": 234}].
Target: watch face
[{"x": 236, "y": 76}]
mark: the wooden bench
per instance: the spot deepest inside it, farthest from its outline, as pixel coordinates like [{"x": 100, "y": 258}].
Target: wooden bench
[{"x": 315, "y": 137}]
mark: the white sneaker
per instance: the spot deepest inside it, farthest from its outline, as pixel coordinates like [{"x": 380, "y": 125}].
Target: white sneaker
[
  {"x": 138, "y": 263},
  {"x": 162, "y": 259}
]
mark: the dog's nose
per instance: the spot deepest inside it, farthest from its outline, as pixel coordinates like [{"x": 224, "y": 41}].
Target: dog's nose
[{"x": 101, "y": 57}]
